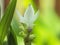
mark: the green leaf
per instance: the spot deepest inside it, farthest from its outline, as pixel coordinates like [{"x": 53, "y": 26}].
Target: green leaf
[{"x": 6, "y": 20}]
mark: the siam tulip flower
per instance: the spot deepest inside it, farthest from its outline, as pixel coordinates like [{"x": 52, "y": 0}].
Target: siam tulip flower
[{"x": 29, "y": 16}]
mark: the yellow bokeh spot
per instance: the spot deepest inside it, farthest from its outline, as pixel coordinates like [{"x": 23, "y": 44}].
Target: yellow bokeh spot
[
  {"x": 22, "y": 5},
  {"x": 26, "y": 3}
]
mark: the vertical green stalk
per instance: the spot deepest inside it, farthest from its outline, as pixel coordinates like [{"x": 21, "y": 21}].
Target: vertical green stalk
[
  {"x": 0, "y": 12},
  {"x": 6, "y": 20},
  {"x": 12, "y": 40},
  {"x": 27, "y": 39}
]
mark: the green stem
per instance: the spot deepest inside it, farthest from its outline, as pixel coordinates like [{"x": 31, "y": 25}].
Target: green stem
[
  {"x": 27, "y": 40},
  {"x": 12, "y": 40}
]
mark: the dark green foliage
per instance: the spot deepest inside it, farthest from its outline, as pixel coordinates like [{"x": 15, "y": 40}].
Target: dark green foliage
[{"x": 12, "y": 40}]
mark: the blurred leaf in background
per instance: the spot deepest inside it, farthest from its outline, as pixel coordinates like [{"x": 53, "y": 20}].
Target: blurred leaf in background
[{"x": 47, "y": 24}]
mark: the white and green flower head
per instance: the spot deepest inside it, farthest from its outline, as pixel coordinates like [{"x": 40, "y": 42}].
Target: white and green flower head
[{"x": 29, "y": 16}]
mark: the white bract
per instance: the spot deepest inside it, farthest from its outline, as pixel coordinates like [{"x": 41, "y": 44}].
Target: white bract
[{"x": 29, "y": 16}]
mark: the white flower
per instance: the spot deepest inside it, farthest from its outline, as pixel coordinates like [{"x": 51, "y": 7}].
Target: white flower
[{"x": 29, "y": 16}]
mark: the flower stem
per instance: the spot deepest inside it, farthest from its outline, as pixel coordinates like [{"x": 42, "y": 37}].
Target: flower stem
[{"x": 27, "y": 40}]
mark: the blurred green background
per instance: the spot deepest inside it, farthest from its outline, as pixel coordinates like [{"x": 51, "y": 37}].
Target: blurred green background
[{"x": 47, "y": 25}]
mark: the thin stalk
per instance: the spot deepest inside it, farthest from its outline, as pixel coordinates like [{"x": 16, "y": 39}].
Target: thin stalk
[
  {"x": 0, "y": 12},
  {"x": 12, "y": 40},
  {"x": 27, "y": 40}
]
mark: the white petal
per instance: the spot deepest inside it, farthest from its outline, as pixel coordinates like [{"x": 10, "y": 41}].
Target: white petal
[
  {"x": 29, "y": 14},
  {"x": 29, "y": 11},
  {"x": 35, "y": 16},
  {"x": 21, "y": 18}
]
